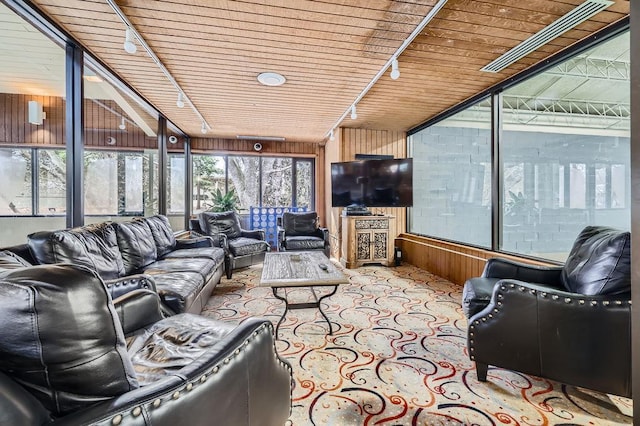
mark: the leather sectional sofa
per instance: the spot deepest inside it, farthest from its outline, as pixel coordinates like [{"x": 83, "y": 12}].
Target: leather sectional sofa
[
  {"x": 75, "y": 350},
  {"x": 184, "y": 272}
]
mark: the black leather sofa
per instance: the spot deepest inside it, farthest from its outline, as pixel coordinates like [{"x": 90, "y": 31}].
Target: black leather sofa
[
  {"x": 299, "y": 231},
  {"x": 569, "y": 323},
  {"x": 242, "y": 247},
  {"x": 183, "y": 271},
  {"x": 71, "y": 354}
]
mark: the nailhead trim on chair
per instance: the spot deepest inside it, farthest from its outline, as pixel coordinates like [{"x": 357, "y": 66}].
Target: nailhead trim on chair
[
  {"x": 542, "y": 294},
  {"x": 136, "y": 411}
]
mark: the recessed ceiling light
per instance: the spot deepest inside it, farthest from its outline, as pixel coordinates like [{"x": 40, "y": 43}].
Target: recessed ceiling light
[{"x": 271, "y": 79}]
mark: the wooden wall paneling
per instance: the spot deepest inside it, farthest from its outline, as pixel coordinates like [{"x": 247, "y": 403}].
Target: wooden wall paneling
[
  {"x": 454, "y": 262},
  {"x": 15, "y": 126}
]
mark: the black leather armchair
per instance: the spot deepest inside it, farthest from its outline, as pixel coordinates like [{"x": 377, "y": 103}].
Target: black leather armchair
[
  {"x": 242, "y": 247},
  {"x": 571, "y": 324},
  {"x": 300, "y": 231},
  {"x": 81, "y": 366}
]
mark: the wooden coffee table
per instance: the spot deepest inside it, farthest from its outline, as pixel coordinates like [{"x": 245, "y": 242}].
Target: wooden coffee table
[{"x": 300, "y": 269}]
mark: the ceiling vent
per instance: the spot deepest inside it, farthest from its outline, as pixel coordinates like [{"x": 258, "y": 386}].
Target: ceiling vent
[{"x": 580, "y": 14}]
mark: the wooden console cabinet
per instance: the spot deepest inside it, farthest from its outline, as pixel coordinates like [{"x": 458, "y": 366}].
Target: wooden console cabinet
[{"x": 367, "y": 239}]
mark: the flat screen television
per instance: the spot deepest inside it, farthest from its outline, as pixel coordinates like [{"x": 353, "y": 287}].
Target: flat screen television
[{"x": 372, "y": 183}]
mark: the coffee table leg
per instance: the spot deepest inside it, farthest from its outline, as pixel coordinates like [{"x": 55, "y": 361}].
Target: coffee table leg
[
  {"x": 286, "y": 307},
  {"x": 335, "y": 288}
]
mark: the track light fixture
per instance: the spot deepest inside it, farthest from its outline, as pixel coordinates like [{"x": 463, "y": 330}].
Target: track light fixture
[
  {"x": 395, "y": 72},
  {"x": 204, "y": 128},
  {"x": 122, "y": 125},
  {"x": 354, "y": 114},
  {"x": 129, "y": 41},
  {"x": 180, "y": 101}
]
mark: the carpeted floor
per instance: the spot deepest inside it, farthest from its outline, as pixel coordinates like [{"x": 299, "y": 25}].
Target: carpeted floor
[{"x": 398, "y": 357}]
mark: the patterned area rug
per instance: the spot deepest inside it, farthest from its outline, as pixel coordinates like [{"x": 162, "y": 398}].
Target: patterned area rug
[{"x": 398, "y": 356}]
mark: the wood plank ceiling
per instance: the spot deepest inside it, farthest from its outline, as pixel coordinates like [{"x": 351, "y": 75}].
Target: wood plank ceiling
[{"x": 328, "y": 51}]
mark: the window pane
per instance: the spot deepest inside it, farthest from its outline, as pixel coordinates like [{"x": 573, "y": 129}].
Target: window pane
[
  {"x": 100, "y": 171},
  {"x": 244, "y": 178},
  {"x": 176, "y": 182},
  {"x": 133, "y": 184},
  {"x": 304, "y": 183},
  {"x": 277, "y": 182},
  {"x": 52, "y": 182},
  {"x": 121, "y": 153},
  {"x": 32, "y": 114},
  {"x": 452, "y": 178},
  {"x": 15, "y": 175},
  {"x": 208, "y": 179},
  {"x": 567, "y": 129}
]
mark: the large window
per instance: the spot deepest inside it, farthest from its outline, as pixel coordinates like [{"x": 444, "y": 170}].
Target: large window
[
  {"x": 255, "y": 181},
  {"x": 564, "y": 160},
  {"x": 452, "y": 178},
  {"x": 32, "y": 92},
  {"x": 120, "y": 160},
  {"x": 565, "y": 152}
]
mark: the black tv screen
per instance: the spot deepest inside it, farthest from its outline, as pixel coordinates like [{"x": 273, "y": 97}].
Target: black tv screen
[{"x": 372, "y": 183}]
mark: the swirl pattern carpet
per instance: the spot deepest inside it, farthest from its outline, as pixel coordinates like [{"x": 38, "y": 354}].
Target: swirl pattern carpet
[{"x": 398, "y": 356}]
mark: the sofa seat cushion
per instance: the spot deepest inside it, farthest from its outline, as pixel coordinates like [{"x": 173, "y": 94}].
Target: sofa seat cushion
[
  {"x": 178, "y": 290},
  {"x": 9, "y": 261},
  {"x": 214, "y": 253},
  {"x": 476, "y": 294},
  {"x": 599, "y": 262},
  {"x": 246, "y": 246},
  {"x": 304, "y": 243},
  {"x": 61, "y": 338},
  {"x": 137, "y": 246},
  {"x": 204, "y": 267},
  {"x": 94, "y": 246},
  {"x": 175, "y": 343},
  {"x": 162, "y": 233}
]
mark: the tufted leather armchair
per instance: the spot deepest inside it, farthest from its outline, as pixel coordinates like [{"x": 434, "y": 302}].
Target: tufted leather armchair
[
  {"x": 571, "y": 323},
  {"x": 81, "y": 366},
  {"x": 243, "y": 247},
  {"x": 300, "y": 231}
]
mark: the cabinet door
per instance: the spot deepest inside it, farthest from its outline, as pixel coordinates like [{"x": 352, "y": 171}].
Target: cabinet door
[
  {"x": 363, "y": 246},
  {"x": 380, "y": 245}
]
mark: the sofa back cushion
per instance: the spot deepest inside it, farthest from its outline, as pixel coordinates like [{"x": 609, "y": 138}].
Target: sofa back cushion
[
  {"x": 296, "y": 224},
  {"x": 599, "y": 262},
  {"x": 136, "y": 244},
  {"x": 162, "y": 233},
  {"x": 61, "y": 338},
  {"x": 9, "y": 261},
  {"x": 220, "y": 223},
  {"x": 93, "y": 246}
]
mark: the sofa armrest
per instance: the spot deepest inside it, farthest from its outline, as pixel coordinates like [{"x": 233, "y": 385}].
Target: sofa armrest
[
  {"x": 281, "y": 241},
  {"x": 119, "y": 286},
  {"x": 324, "y": 234},
  {"x": 258, "y": 234},
  {"x": 503, "y": 268},
  {"x": 241, "y": 380},
  {"x": 137, "y": 309},
  {"x": 194, "y": 242}
]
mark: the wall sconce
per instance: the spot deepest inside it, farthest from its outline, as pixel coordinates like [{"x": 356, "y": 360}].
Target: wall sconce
[{"x": 36, "y": 113}]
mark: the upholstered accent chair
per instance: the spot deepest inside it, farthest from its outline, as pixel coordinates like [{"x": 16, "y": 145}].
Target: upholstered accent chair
[
  {"x": 298, "y": 231},
  {"x": 243, "y": 247},
  {"x": 569, "y": 323}
]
